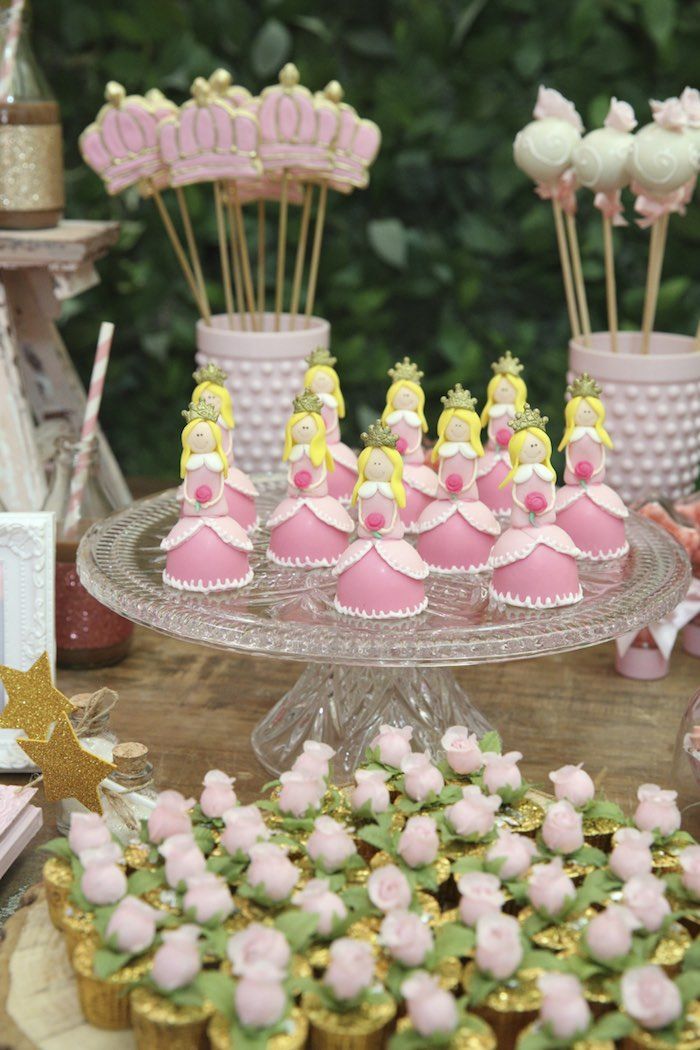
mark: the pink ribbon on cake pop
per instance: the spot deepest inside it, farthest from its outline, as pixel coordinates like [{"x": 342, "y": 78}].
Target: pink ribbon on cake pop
[
  {"x": 610, "y": 204},
  {"x": 563, "y": 191},
  {"x": 665, "y": 631},
  {"x": 651, "y": 208}
]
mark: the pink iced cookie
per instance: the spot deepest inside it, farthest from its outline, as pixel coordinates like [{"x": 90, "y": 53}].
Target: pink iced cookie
[
  {"x": 356, "y": 146},
  {"x": 122, "y": 144}
]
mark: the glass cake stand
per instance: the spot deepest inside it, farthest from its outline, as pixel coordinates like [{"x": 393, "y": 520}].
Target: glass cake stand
[{"x": 361, "y": 673}]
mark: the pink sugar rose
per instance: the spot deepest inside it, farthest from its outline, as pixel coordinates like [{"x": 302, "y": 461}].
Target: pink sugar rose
[
  {"x": 550, "y": 888},
  {"x": 499, "y": 949},
  {"x": 330, "y": 843},
  {"x": 375, "y": 521},
  {"x": 300, "y": 793},
  {"x": 318, "y": 899},
  {"x": 388, "y": 888},
  {"x": 110, "y": 852},
  {"x": 481, "y": 894},
  {"x": 203, "y": 493},
  {"x": 650, "y": 997},
  {"x": 631, "y": 853},
  {"x": 170, "y": 816},
  {"x": 535, "y": 502},
  {"x": 177, "y": 961},
  {"x": 453, "y": 483},
  {"x": 420, "y": 777},
  {"x": 350, "y": 969},
  {"x": 564, "y": 1007},
  {"x": 609, "y": 935},
  {"x": 218, "y": 794},
  {"x": 406, "y": 937},
  {"x": 657, "y": 810},
  {"x": 260, "y": 1002},
  {"x": 645, "y": 896},
  {"x": 462, "y": 750},
  {"x": 503, "y": 436},
  {"x": 431, "y": 1009},
  {"x": 208, "y": 896},
  {"x": 573, "y": 784},
  {"x": 371, "y": 788},
  {"x": 259, "y": 950},
  {"x": 401, "y": 445},
  {"x": 302, "y": 479},
  {"x": 516, "y": 852},
  {"x": 562, "y": 829},
  {"x": 393, "y": 744},
  {"x": 314, "y": 761},
  {"x": 419, "y": 842},
  {"x": 689, "y": 860},
  {"x": 87, "y": 831},
  {"x": 244, "y": 827},
  {"x": 133, "y": 925},
  {"x": 272, "y": 870},
  {"x": 501, "y": 771},
  {"x": 183, "y": 858},
  {"x": 583, "y": 470},
  {"x": 103, "y": 883},
  {"x": 473, "y": 816}
]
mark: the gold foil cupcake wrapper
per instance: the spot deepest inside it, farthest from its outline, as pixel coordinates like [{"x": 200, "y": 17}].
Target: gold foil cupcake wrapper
[
  {"x": 160, "y": 1024},
  {"x": 463, "y": 1039},
  {"x": 105, "y": 1003},
  {"x": 362, "y": 1029},
  {"x": 58, "y": 879},
  {"x": 220, "y": 1037}
]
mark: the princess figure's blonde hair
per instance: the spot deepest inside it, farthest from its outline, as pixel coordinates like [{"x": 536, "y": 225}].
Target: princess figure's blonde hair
[
  {"x": 528, "y": 422},
  {"x": 187, "y": 451},
  {"x": 570, "y": 414},
  {"x": 379, "y": 436},
  {"x": 318, "y": 449},
  {"x": 211, "y": 380},
  {"x": 518, "y": 385},
  {"x": 469, "y": 417},
  {"x": 415, "y": 389},
  {"x": 327, "y": 370}
]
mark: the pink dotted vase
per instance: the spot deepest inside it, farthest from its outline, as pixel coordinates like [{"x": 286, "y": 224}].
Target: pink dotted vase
[
  {"x": 652, "y": 403},
  {"x": 265, "y": 371}
]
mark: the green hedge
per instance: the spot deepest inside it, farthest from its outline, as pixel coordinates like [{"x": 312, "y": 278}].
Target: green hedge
[{"x": 448, "y": 256}]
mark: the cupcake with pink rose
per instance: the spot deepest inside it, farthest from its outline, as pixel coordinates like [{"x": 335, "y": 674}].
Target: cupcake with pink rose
[
  {"x": 422, "y": 781},
  {"x": 389, "y": 747},
  {"x": 271, "y": 877},
  {"x": 463, "y": 754},
  {"x": 331, "y": 847},
  {"x": 217, "y": 796},
  {"x": 663, "y": 1010},
  {"x": 253, "y": 1008},
  {"x": 601, "y": 818},
  {"x": 501, "y": 775},
  {"x": 566, "y": 1020},
  {"x": 435, "y": 1018},
  {"x": 414, "y": 849},
  {"x": 657, "y": 812},
  {"x": 557, "y": 911},
  {"x": 408, "y": 941}
]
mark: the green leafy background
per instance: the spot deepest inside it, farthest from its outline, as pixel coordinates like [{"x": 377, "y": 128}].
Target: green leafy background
[{"x": 448, "y": 256}]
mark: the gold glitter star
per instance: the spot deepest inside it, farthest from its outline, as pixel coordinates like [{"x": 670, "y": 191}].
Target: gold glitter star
[
  {"x": 69, "y": 770},
  {"x": 33, "y": 702}
]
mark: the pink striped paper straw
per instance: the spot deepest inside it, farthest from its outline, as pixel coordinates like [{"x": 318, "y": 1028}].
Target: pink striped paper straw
[
  {"x": 7, "y": 64},
  {"x": 89, "y": 429}
]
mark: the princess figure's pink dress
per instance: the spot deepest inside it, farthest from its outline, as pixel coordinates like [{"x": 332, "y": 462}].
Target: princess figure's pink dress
[
  {"x": 342, "y": 480},
  {"x": 206, "y": 549},
  {"x": 309, "y": 528},
  {"x": 380, "y": 574},
  {"x": 456, "y": 531},
  {"x": 420, "y": 482},
  {"x": 534, "y": 561},
  {"x": 239, "y": 490},
  {"x": 495, "y": 464},
  {"x": 592, "y": 513}
]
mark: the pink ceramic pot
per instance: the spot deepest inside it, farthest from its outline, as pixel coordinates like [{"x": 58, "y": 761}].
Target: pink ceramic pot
[
  {"x": 652, "y": 402},
  {"x": 265, "y": 371}
]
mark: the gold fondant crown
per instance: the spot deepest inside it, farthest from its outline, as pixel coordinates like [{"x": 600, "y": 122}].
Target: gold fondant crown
[
  {"x": 406, "y": 369},
  {"x": 379, "y": 436},
  {"x": 210, "y": 374},
  {"x": 458, "y": 397},
  {"x": 321, "y": 356},
  {"x": 529, "y": 417},
  {"x": 201, "y": 410},
  {"x": 584, "y": 386},
  {"x": 308, "y": 402},
  {"x": 507, "y": 365}
]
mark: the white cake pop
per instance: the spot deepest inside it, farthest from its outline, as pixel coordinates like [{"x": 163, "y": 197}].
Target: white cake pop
[
  {"x": 663, "y": 157},
  {"x": 690, "y": 100},
  {"x": 543, "y": 148},
  {"x": 600, "y": 158}
]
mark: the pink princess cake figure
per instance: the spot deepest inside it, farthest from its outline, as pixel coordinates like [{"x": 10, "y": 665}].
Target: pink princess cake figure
[
  {"x": 380, "y": 574},
  {"x": 239, "y": 490},
  {"x": 533, "y": 561},
  {"x": 405, "y": 417},
  {"x": 506, "y": 394},
  {"x": 206, "y": 549},
  {"x": 456, "y": 531},
  {"x": 591, "y": 512},
  {"x": 322, "y": 378},
  {"x": 309, "y": 528}
]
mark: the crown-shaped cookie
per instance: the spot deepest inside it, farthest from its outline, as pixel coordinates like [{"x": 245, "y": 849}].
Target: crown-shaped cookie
[
  {"x": 507, "y": 365},
  {"x": 405, "y": 369},
  {"x": 379, "y": 436},
  {"x": 529, "y": 417},
  {"x": 122, "y": 143},
  {"x": 221, "y": 83},
  {"x": 584, "y": 386},
  {"x": 202, "y": 410},
  {"x": 321, "y": 356},
  {"x": 210, "y": 373},
  {"x": 458, "y": 397},
  {"x": 308, "y": 402},
  {"x": 356, "y": 145}
]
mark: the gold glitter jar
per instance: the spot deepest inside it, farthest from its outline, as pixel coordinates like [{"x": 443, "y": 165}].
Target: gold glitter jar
[
  {"x": 58, "y": 879},
  {"x": 295, "y": 1039},
  {"x": 366, "y": 1028},
  {"x": 105, "y": 1002},
  {"x": 161, "y": 1025},
  {"x": 463, "y": 1039}
]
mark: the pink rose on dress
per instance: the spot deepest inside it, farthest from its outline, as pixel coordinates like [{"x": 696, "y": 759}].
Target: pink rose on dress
[
  {"x": 431, "y": 1009},
  {"x": 535, "y": 502},
  {"x": 388, "y": 888},
  {"x": 169, "y": 816},
  {"x": 453, "y": 483},
  {"x": 474, "y": 815},
  {"x": 503, "y": 436},
  {"x": 462, "y": 750},
  {"x": 420, "y": 777},
  {"x": 583, "y": 470},
  {"x": 330, "y": 843},
  {"x": 499, "y": 949},
  {"x": 244, "y": 827},
  {"x": 271, "y": 869},
  {"x": 208, "y": 896},
  {"x": 203, "y": 493},
  {"x": 689, "y": 860},
  {"x": 401, "y": 445},
  {"x": 318, "y": 899},
  {"x": 259, "y": 950},
  {"x": 481, "y": 894},
  {"x": 314, "y": 761},
  {"x": 350, "y": 969},
  {"x": 300, "y": 793},
  {"x": 406, "y": 937},
  {"x": 562, "y": 829},
  {"x": 371, "y": 788},
  {"x": 419, "y": 842},
  {"x": 87, "y": 831},
  {"x": 631, "y": 853},
  {"x": 218, "y": 794},
  {"x": 103, "y": 883},
  {"x": 183, "y": 859},
  {"x": 260, "y": 1002},
  {"x": 574, "y": 784},
  {"x": 564, "y": 1007},
  {"x": 302, "y": 479},
  {"x": 133, "y": 925},
  {"x": 393, "y": 744},
  {"x": 657, "y": 810},
  {"x": 550, "y": 888},
  {"x": 501, "y": 771},
  {"x": 516, "y": 852},
  {"x": 645, "y": 896},
  {"x": 375, "y": 521},
  {"x": 650, "y": 997},
  {"x": 177, "y": 961},
  {"x": 609, "y": 935}
]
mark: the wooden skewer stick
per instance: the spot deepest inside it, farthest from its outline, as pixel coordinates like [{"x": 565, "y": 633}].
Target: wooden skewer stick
[
  {"x": 301, "y": 254},
  {"x": 236, "y": 266},
  {"x": 245, "y": 258},
  {"x": 194, "y": 253},
  {"x": 566, "y": 270},
  {"x": 656, "y": 262},
  {"x": 281, "y": 251},
  {"x": 578, "y": 278},
  {"x": 223, "y": 253},
  {"x": 610, "y": 286},
  {"x": 316, "y": 252},
  {"x": 177, "y": 247},
  {"x": 261, "y": 261}
]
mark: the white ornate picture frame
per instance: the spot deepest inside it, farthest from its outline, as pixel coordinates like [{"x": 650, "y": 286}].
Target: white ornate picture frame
[{"x": 27, "y": 625}]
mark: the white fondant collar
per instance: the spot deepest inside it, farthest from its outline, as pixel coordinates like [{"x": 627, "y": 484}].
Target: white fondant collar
[
  {"x": 451, "y": 448},
  {"x": 371, "y": 488},
  {"x": 412, "y": 418},
  {"x": 328, "y": 400},
  {"x": 498, "y": 410},
  {"x": 210, "y": 460},
  {"x": 578, "y": 432},
  {"x": 526, "y": 470},
  {"x": 297, "y": 451}
]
